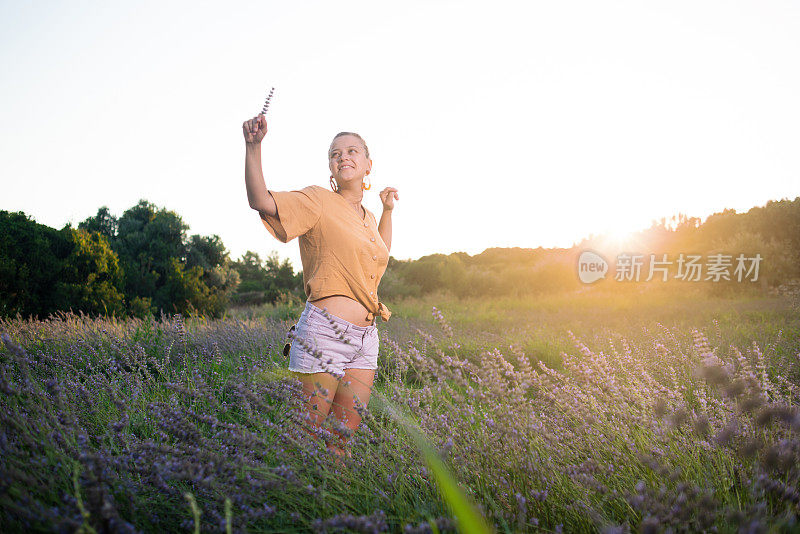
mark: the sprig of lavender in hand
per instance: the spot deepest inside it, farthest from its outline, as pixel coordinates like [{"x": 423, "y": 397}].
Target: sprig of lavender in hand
[{"x": 266, "y": 102}]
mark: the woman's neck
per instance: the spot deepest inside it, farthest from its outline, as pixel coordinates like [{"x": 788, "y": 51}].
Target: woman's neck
[{"x": 353, "y": 198}]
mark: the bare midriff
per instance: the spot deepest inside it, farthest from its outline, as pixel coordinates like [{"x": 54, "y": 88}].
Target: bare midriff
[{"x": 345, "y": 308}]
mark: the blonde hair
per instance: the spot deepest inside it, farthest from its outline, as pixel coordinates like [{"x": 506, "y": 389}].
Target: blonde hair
[{"x": 340, "y": 134}]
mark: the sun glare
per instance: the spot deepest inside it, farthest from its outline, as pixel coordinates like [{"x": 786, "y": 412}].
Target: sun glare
[
  {"x": 616, "y": 234},
  {"x": 618, "y": 238}
]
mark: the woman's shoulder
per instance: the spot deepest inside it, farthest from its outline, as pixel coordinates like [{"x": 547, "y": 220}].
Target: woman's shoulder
[
  {"x": 318, "y": 191},
  {"x": 313, "y": 189},
  {"x": 315, "y": 192}
]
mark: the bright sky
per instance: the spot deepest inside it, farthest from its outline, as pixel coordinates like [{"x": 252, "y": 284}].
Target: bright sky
[{"x": 500, "y": 123}]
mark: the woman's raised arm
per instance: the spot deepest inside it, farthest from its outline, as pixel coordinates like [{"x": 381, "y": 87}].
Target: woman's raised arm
[{"x": 260, "y": 200}]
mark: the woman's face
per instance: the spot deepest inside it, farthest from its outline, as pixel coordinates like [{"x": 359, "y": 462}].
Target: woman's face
[{"x": 347, "y": 160}]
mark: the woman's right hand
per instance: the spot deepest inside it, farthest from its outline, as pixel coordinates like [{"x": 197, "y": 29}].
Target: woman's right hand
[{"x": 255, "y": 129}]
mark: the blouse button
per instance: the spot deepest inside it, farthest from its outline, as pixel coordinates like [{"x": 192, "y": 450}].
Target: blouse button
[
  {"x": 374, "y": 257},
  {"x": 372, "y": 239},
  {"x": 365, "y": 224},
  {"x": 370, "y": 292},
  {"x": 372, "y": 276}
]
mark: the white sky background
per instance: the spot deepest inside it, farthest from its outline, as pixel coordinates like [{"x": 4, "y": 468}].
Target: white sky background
[{"x": 500, "y": 123}]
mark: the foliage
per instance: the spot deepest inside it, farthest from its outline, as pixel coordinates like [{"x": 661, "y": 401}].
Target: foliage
[
  {"x": 92, "y": 278},
  {"x": 43, "y": 270},
  {"x": 266, "y": 281},
  {"x": 31, "y": 259},
  {"x": 147, "y": 241},
  {"x": 135, "y": 265},
  {"x": 104, "y": 223},
  {"x": 393, "y": 286},
  {"x": 165, "y": 270},
  {"x": 772, "y": 230}
]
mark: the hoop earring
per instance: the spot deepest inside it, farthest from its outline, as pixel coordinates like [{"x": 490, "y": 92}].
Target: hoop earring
[
  {"x": 365, "y": 187},
  {"x": 333, "y": 186}
]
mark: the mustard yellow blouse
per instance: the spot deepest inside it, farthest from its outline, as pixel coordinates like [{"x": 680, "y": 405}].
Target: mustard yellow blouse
[{"x": 342, "y": 252}]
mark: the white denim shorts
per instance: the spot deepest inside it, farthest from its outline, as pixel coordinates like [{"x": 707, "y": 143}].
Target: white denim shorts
[{"x": 317, "y": 347}]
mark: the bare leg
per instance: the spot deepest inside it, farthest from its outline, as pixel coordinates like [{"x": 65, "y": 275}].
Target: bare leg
[
  {"x": 355, "y": 383},
  {"x": 317, "y": 401}
]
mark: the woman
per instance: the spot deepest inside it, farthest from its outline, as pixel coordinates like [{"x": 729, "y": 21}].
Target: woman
[{"x": 344, "y": 252}]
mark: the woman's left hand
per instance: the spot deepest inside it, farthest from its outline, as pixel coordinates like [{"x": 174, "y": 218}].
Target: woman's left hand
[{"x": 388, "y": 196}]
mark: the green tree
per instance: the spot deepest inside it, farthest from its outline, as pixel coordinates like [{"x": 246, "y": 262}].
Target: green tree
[
  {"x": 162, "y": 269},
  {"x": 393, "y": 285},
  {"x": 104, "y": 223},
  {"x": 184, "y": 291},
  {"x": 147, "y": 242},
  {"x": 281, "y": 275},
  {"x": 31, "y": 259},
  {"x": 92, "y": 279},
  {"x": 426, "y": 272},
  {"x": 206, "y": 252},
  {"x": 209, "y": 254},
  {"x": 266, "y": 280}
]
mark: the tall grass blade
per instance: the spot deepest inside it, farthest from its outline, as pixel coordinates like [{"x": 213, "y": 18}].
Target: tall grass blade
[{"x": 470, "y": 521}]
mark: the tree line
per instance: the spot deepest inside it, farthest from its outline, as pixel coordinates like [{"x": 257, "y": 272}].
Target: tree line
[
  {"x": 143, "y": 263},
  {"x": 773, "y": 231}
]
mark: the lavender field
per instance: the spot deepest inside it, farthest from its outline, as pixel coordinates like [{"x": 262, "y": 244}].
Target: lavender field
[{"x": 604, "y": 413}]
